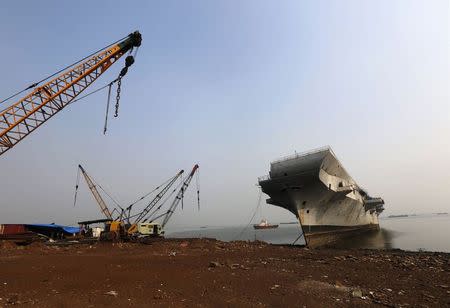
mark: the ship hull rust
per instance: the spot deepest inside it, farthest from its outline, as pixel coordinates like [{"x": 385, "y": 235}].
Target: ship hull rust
[{"x": 316, "y": 188}]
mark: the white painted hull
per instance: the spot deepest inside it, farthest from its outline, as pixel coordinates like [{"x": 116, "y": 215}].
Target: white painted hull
[{"x": 318, "y": 190}]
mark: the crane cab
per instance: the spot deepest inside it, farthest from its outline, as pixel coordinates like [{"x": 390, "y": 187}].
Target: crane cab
[
  {"x": 152, "y": 229},
  {"x": 114, "y": 230}
]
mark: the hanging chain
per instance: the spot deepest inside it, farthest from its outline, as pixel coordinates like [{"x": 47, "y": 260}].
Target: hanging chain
[{"x": 119, "y": 83}]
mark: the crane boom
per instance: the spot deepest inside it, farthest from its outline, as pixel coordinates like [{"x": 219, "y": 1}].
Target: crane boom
[
  {"x": 179, "y": 197},
  {"x": 158, "y": 197},
  {"x": 133, "y": 228},
  {"x": 23, "y": 117},
  {"x": 104, "y": 209}
]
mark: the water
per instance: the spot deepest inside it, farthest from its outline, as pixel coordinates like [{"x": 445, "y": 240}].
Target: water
[
  {"x": 424, "y": 232},
  {"x": 427, "y": 232}
]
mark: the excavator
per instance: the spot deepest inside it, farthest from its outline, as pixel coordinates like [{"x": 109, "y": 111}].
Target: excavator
[{"x": 30, "y": 112}]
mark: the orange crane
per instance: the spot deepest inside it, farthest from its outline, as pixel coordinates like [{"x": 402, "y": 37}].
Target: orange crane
[
  {"x": 98, "y": 198},
  {"x": 114, "y": 228},
  {"x": 23, "y": 117}
]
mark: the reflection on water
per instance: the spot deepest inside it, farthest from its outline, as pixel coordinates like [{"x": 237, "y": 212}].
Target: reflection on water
[
  {"x": 427, "y": 232},
  {"x": 374, "y": 239},
  {"x": 284, "y": 234}
]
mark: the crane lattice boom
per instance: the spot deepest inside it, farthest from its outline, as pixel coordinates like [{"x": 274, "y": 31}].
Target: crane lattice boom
[
  {"x": 24, "y": 116},
  {"x": 178, "y": 198},
  {"x": 158, "y": 197},
  {"x": 101, "y": 203}
]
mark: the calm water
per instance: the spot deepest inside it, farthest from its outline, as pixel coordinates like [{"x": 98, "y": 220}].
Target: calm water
[{"x": 426, "y": 232}]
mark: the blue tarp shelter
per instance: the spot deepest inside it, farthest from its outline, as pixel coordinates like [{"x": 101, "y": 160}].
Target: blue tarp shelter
[{"x": 52, "y": 229}]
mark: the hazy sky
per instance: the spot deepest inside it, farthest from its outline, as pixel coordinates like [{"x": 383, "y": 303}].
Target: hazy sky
[{"x": 232, "y": 85}]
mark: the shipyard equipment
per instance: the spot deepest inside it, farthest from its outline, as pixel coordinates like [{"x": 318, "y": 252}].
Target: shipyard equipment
[
  {"x": 139, "y": 227},
  {"x": 142, "y": 224},
  {"x": 145, "y": 229},
  {"x": 26, "y": 115},
  {"x": 98, "y": 198},
  {"x": 114, "y": 228},
  {"x": 179, "y": 197},
  {"x": 145, "y": 223}
]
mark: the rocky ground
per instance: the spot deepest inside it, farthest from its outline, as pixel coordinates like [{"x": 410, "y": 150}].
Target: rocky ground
[{"x": 206, "y": 273}]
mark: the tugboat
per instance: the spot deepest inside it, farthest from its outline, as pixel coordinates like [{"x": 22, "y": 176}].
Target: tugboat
[{"x": 264, "y": 224}]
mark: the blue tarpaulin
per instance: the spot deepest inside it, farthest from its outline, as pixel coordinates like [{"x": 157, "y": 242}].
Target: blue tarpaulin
[{"x": 66, "y": 229}]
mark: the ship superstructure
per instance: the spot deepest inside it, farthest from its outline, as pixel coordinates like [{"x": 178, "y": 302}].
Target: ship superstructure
[{"x": 316, "y": 188}]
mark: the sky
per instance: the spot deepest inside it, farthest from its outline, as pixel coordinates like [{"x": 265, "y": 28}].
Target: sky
[{"x": 232, "y": 85}]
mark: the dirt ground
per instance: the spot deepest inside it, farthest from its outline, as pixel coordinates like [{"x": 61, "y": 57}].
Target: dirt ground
[{"x": 209, "y": 273}]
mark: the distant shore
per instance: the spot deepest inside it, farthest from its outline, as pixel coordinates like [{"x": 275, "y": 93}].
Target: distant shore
[{"x": 205, "y": 272}]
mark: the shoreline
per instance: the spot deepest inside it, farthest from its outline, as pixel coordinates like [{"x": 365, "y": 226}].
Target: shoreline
[{"x": 208, "y": 272}]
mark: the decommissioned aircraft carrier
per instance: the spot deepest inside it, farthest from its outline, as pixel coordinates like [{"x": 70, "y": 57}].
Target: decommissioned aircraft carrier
[{"x": 316, "y": 188}]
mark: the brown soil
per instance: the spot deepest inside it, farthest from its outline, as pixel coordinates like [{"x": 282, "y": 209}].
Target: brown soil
[{"x": 209, "y": 273}]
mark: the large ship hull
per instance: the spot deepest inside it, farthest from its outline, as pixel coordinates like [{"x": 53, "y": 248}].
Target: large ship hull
[{"x": 316, "y": 188}]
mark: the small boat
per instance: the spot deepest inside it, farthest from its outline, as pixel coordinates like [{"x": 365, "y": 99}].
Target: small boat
[
  {"x": 397, "y": 216},
  {"x": 264, "y": 225}
]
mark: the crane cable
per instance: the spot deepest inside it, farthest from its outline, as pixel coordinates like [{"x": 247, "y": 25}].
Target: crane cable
[
  {"x": 76, "y": 186},
  {"x": 181, "y": 184},
  {"x": 93, "y": 92},
  {"x": 128, "y": 62},
  {"x": 107, "y": 109},
  {"x": 198, "y": 189},
  {"x": 251, "y": 219},
  {"x": 159, "y": 206},
  {"x": 60, "y": 71},
  {"x": 147, "y": 194},
  {"x": 109, "y": 195},
  {"x": 96, "y": 184},
  {"x": 150, "y": 216}
]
